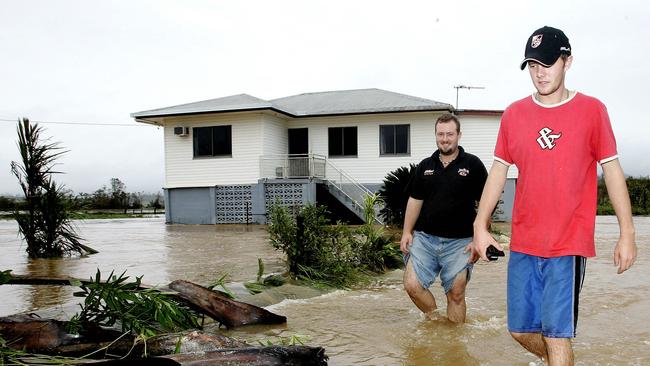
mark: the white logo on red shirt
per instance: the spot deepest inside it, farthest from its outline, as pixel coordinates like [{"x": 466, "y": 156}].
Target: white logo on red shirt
[
  {"x": 547, "y": 139},
  {"x": 536, "y": 41}
]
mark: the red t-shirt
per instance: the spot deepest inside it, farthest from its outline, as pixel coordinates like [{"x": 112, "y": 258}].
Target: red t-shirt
[{"x": 555, "y": 147}]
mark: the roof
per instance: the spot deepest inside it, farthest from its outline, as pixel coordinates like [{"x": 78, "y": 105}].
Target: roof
[
  {"x": 226, "y": 104},
  {"x": 358, "y": 101}
]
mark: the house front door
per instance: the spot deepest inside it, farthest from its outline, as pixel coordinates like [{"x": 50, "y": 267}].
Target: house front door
[{"x": 298, "y": 153}]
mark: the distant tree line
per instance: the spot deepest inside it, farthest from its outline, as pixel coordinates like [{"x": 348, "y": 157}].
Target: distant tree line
[
  {"x": 114, "y": 197},
  {"x": 639, "y": 189}
]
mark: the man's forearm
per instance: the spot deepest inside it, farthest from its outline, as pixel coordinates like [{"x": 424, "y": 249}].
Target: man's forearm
[
  {"x": 618, "y": 195},
  {"x": 413, "y": 208}
]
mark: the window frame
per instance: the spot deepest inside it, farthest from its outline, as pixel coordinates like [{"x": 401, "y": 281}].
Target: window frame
[
  {"x": 212, "y": 129},
  {"x": 342, "y": 142},
  {"x": 408, "y": 140}
]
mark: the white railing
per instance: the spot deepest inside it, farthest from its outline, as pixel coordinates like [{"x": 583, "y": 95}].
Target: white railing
[
  {"x": 347, "y": 185},
  {"x": 292, "y": 166},
  {"x": 315, "y": 166}
]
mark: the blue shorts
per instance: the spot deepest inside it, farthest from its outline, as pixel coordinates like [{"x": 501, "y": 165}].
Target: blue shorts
[
  {"x": 432, "y": 255},
  {"x": 543, "y": 294}
]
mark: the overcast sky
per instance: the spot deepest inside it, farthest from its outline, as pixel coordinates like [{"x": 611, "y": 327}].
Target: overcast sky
[{"x": 95, "y": 62}]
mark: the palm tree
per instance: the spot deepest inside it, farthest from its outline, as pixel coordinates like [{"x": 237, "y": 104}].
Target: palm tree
[
  {"x": 393, "y": 193},
  {"x": 46, "y": 224}
]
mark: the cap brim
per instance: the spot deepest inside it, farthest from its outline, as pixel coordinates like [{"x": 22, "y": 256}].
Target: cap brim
[{"x": 525, "y": 61}]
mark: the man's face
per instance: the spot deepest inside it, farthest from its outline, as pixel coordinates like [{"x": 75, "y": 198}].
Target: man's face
[
  {"x": 549, "y": 80},
  {"x": 447, "y": 137}
]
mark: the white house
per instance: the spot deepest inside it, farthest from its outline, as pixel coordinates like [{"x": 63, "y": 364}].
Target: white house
[{"x": 228, "y": 159}]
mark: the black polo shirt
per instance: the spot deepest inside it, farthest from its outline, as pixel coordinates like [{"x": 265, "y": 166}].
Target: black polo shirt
[{"x": 449, "y": 194}]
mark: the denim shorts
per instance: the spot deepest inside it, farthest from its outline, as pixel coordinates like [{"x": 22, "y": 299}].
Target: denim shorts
[
  {"x": 432, "y": 255},
  {"x": 543, "y": 294}
]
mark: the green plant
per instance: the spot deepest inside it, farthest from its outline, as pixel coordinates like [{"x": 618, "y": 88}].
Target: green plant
[
  {"x": 302, "y": 239},
  {"x": 5, "y": 276},
  {"x": 257, "y": 286},
  {"x": 145, "y": 312},
  {"x": 395, "y": 196},
  {"x": 377, "y": 250},
  {"x": 221, "y": 282},
  {"x": 294, "y": 340},
  {"x": 46, "y": 225},
  {"x": 327, "y": 255}
]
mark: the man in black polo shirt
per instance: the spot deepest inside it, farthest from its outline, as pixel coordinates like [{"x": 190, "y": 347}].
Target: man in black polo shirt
[{"x": 438, "y": 222}]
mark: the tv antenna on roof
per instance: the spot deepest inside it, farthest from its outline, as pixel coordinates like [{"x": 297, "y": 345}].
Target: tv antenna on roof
[{"x": 465, "y": 87}]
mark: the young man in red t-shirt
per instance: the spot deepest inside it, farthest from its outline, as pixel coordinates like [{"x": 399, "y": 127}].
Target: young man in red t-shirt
[{"x": 555, "y": 138}]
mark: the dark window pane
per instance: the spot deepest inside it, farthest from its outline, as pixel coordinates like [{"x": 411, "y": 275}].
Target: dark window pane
[
  {"x": 350, "y": 141},
  {"x": 402, "y": 139},
  {"x": 202, "y": 141},
  {"x": 221, "y": 140},
  {"x": 212, "y": 141},
  {"x": 387, "y": 140},
  {"x": 335, "y": 141}
]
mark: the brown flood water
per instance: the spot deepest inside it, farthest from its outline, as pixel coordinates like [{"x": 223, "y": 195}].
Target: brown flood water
[{"x": 373, "y": 325}]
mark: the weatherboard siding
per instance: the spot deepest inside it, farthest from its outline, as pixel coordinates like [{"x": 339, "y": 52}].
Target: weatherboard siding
[
  {"x": 183, "y": 170},
  {"x": 274, "y": 135},
  {"x": 255, "y": 134},
  {"x": 479, "y": 138}
]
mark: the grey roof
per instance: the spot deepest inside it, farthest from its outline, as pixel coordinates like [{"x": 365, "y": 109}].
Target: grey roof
[
  {"x": 226, "y": 104},
  {"x": 355, "y": 102},
  {"x": 359, "y": 101}
]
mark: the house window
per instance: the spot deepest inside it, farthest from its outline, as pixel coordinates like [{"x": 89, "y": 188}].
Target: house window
[
  {"x": 394, "y": 140},
  {"x": 212, "y": 141},
  {"x": 342, "y": 141}
]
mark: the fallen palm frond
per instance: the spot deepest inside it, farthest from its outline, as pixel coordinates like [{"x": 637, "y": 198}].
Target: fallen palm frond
[
  {"x": 145, "y": 312},
  {"x": 221, "y": 282}
]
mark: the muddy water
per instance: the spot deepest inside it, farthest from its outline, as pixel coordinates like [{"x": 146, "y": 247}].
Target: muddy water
[{"x": 373, "y": 325}]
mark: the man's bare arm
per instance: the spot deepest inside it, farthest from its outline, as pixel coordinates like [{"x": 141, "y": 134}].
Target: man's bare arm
[
  {"x": 625, "y": 251},
  {"x": 413, "y": 207}
]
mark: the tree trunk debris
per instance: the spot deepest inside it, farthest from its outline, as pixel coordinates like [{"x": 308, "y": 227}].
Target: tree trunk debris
[
  {"x": 221, "y": 308},
  {"x": 30, "y": 333},
  {"x": 256, "y": 356}
]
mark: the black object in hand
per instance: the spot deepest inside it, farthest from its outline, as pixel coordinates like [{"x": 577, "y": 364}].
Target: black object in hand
[{"x": 492, "y": 253}]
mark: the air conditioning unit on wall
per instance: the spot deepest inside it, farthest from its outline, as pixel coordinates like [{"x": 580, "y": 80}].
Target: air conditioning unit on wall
[{"x": 181, "y": 131}]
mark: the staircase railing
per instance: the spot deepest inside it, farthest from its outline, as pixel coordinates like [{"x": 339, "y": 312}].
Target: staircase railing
[
  {"x": 349, "y": 187},
  {"x": 284, "y": 166}
]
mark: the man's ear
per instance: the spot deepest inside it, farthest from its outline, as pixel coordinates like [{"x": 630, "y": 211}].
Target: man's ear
[{"x": 567, "y": 63}]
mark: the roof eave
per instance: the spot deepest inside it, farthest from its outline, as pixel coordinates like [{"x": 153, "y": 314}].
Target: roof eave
[
  {"x": 139, "y": 116},
  {"x": 391, "y": 111},
  {"x": 480, "y": 112}
]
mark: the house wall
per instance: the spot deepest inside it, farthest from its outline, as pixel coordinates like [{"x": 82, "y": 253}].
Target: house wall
[
  {"x": 480, "y": 137},
  {"x": 256, "y": 134},
  {"x": 248, "y": 130},
  {"x": 190, "y": 205},
  {"x": 274, "y": 134},
  {"x": 369, "y": 168}
]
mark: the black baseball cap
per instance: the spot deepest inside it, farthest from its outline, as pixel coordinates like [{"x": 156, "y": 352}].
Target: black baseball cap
[{"x": 545, "y": 46}]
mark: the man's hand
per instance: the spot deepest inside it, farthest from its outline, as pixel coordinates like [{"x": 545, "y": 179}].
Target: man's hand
[
  {"x": 482, "y": 239},
  {"x": 624, "y": 254},
  {"x": 407, "y": 240},
  {"x": 474, "y": 255}
]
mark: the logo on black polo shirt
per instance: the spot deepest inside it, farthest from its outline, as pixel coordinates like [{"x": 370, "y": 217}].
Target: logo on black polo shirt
[
  {"x": 463, "y": 172},
  {"x": 428, "y": 172},
  {"x": 547, "y": 138}
]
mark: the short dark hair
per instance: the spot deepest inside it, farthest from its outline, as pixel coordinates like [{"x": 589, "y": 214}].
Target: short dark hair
[{"x": 446, "y": 118}]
